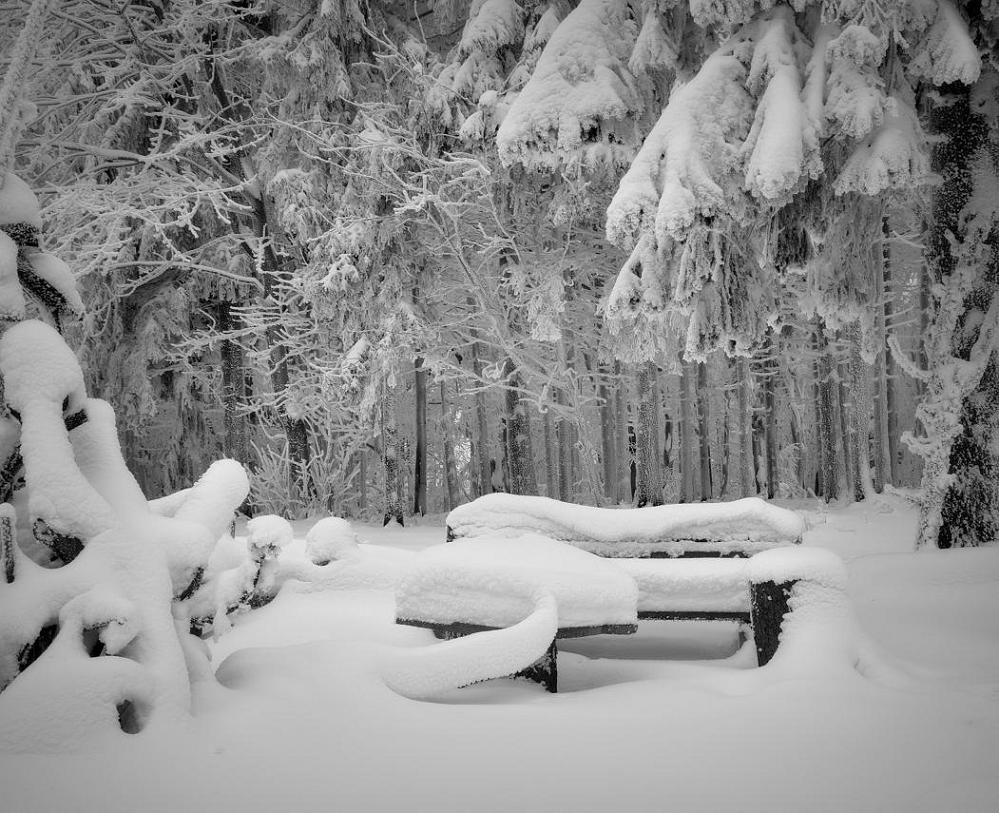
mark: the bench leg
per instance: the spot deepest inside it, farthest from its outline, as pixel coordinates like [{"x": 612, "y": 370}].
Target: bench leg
[
  {"x": 768, "y": 606},
  {"x": 544, "y": 670}
]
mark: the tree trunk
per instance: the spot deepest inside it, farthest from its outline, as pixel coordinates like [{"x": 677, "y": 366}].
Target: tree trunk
[
  {"x": 687, "y": 433},
  {"x": 390, "y": 451},
  {"x": 420, "y": 463},
  {"x": 447, "y": 437},
  {"x": 770, "y": 408},
  {"x": 233, "y": 388},
  {"x": 482, "y": 456},
  {"x": 517, "y": 436},
  {"x": 621, "y": 436},
  {"x": 551, "y": 461},
  {"x": 704, "y": 431},
  {"x": 746, "y": 469},
  {"x": 826, "y": 419},
  {"x": 607, "y": 439},
  {"x": 649, "y": 464},
  {"x": 891, "y": 368}
]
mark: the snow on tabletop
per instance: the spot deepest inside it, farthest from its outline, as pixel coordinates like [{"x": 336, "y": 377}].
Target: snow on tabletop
[
  {"x": 714, "y": 585},
  {"x": 331, "y": 539},
  {"x": 57, "y": 274},
  {"x": 749, "y": 524},
  {"x": 798, "y": 563},
  {"x": 484, "y": 581},
  {"x": 422, "y": 673},
  {"x": 18, "y": 203}
]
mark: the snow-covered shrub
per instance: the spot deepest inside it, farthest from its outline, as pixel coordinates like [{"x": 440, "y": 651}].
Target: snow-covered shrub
[
  {"x": 89, "y": 641},
  {"x": 329, "y": 540}
]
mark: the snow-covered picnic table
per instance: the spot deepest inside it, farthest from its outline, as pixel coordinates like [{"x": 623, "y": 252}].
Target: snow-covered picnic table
[
  {"x": 562, "y": 571},
  {"x": 738, "y": 528}
]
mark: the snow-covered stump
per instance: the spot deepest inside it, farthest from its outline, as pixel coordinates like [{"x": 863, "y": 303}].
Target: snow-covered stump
[{"x": 798, "y": 600}]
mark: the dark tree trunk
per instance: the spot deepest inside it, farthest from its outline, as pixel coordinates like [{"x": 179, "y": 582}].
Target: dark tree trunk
[
  {"x": 704, "y": 431},
  {"x": 420, "y": 463},
  {"x": 649, "y": 489},
  {"x": 517, "y": 436}
]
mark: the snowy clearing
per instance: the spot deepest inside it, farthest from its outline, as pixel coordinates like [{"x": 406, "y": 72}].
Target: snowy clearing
[{"x": 669, "y": 717}]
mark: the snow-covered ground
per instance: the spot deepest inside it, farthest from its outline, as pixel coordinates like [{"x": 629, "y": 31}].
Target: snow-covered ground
[{"x": 672, "y": 718}]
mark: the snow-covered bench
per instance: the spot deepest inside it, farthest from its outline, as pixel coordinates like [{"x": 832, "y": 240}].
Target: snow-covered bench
[
  {"x": 490, "y": 584},
  {"x": 738, "y": 528},
  {"x": 686, "y": 562}
]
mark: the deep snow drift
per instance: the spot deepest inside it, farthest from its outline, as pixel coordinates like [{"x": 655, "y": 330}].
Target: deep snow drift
[{"x": 676, "y": 716}]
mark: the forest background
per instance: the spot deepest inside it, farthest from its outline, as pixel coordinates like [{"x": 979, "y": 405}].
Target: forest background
[{"x": 394, "y": 255}]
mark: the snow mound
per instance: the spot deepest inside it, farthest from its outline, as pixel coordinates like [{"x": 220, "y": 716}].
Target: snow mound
[
  {"x": 495, "y": 583},
  {"x": 331, "y": 539},
  {"x": 748, "y": 525},
  {"x": 269, "y": 532}
]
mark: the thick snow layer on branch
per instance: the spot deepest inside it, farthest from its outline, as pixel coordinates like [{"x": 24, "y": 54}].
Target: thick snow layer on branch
[
  {"x": 750, "y": 524},
  {"x": 213, "y": 500},
  {"x": 97, "y": 453},
  {"x": 679, "y": 170},
  {"x": 783, "y": 146},
  {"x": 893, "y": 156},
  {"x": 492, "y": 25},
  {"x": 11, "y": 295},
  {"x": 719, "y": 585},
  {"x": 57, "y": 274},
  {"x": 331, "y": 539},
  {"x": 855, "y": 97},
  {"x": 581, "y": 100},
  {"x": 422, "y": 673},
  {"x": 18, "y": 203},
  {"x": 946, "y": 52},
  {"x": 41, "y": 374},
  {"x": 494, "y": 582}
]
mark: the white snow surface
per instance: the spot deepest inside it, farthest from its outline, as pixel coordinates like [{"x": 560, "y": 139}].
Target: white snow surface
[
  {"x": 749, "y": 525},
  {"x": 496, "y": 583},
  {"x": 18, "y": 203},
  {"x": 720, "y": 585},
  {"x": 640, "y": 721}
]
